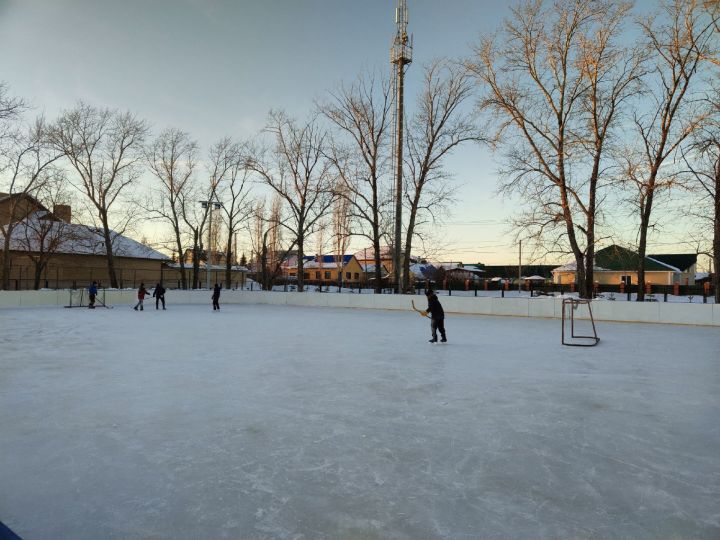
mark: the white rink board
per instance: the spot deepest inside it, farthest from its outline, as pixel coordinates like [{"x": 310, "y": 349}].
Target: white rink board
[{"x": 645, "y": 312}]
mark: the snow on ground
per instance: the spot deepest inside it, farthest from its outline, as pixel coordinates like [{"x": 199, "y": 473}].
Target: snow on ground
[{"x": 265, "y": 422}]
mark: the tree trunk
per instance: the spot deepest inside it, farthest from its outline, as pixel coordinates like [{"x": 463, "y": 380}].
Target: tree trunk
[
  {"x": 642, "y": 246},
  {"x": 196, "y": 261},
  {"x": 716, "y": 238},
  {"x": 300, "y": 264},
  {"x": 378, "y": 262},
  {"x": 228, "y": 263},
  {"x": 181, "y": 260},
  {"x": 408, "y": 242},
  {"x": 6, "y": 258},
  {"x": 109, "y": 251},
  {"x": 6, "y": 264},
  {"x": 39, "y": 267}
]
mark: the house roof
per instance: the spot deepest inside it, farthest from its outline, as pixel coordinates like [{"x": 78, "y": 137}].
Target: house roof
[
  {"x": 314, "y": 261},
  {"x": 619, "y": 259},
  {"x": 76, "y": 240},
  {"x": 370, "y": 268},
  {"x": 369, "y": 253},
  {"x": 681, "y": 261},
  {"x": 422, "y": 271},
  {"x": 616, "y": 258}
]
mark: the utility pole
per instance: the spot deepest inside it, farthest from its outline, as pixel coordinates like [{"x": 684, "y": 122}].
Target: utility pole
[
  {"x": 212, "y": 204},
  {"x": 400, "y": 56}
]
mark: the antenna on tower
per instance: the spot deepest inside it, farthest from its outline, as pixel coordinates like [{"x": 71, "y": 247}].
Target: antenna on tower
[{"x": 400, "y": 56}]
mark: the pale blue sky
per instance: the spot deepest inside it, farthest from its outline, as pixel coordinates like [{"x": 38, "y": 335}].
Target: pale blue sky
[{"x": 215, "y": 67}]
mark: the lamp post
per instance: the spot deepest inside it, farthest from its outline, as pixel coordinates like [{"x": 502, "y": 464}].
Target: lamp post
[{"x": 210, "y": 206}]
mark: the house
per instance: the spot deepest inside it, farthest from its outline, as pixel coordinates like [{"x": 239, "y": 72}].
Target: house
[
  {"x": 367, "y": 256},
  {"x": 464, "y": 272},
  {"x": 369, "y": 272},
  {"x": 327, "y": 268},
  {"x": 48, "y": 250},
  {"x": 616, "y": 264}
]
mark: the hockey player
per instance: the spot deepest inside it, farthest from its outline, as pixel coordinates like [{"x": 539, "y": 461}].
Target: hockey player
[
  {"x": 216, "y": 297},
  {"x": 437, "y": 316},
  {"x": 159, "y": 294},
  {"x": 142, "y": 291},
  {"x": 92, "y": 291}
]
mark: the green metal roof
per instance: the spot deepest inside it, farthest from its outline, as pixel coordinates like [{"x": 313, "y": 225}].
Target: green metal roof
[{"x": 621, "y": 259}]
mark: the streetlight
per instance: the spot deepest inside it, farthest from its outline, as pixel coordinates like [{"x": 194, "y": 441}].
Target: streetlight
[{"x": 216, "y": 205}]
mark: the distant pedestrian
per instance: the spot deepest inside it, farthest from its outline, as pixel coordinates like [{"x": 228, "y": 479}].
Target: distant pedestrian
[
  {"x": 159, "y": 294},
  {"x": 92, "y": 290},
  {"x": 437, "y": 316},
  {"x": 142, "y": 291},
  {"x": 216, "y": 297}
]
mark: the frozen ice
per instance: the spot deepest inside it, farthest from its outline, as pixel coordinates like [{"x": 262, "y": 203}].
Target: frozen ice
[{"x": 276, "y": 422}]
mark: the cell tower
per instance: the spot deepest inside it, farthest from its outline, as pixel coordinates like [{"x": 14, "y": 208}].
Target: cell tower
[{"x": 400, "y": 56}]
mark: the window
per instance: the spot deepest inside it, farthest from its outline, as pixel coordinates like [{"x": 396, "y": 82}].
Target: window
[
  {"x": 306, "y": 275},
  {"x": 347, "y": 275},
  {"x": 627, "y": 280},
  {"x": 357, "y": 276},
  {"x": 327, "y": 275},
  {"x": 317, "y": 275}
]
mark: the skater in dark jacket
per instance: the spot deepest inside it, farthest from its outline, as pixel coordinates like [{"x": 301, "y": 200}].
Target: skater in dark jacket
[
  {"x": 92, "y": 290},
  {"x": 437, "y": 316},
  {"x": 159, "y": 294},
  {"x": 142, "y": 292},
  {"x": 216, "y": 297}
]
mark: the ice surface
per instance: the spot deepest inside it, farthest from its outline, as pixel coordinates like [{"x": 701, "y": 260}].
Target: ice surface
[{"x": 264, "y": 422}]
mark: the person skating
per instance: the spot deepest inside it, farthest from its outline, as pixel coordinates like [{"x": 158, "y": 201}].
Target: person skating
[
  {"x": 142, "y": 291},
  {"x": 216, "y": 297},
  {"x": 159, "y": 294},
  {"x": 437, "y": 316},
  {"x": 92, "y": 291}
]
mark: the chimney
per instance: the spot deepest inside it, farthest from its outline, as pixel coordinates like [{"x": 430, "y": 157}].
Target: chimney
[{"x": 63, "y": 212}]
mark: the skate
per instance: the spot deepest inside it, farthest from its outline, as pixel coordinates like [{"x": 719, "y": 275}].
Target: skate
[
  {"x": 443, "y": 340},
  {"x": 433, "y": 340}
]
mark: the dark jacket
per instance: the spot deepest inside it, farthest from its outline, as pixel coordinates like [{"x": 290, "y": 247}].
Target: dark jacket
[
  {"x": 92, "y": 289},
  {"x": 434, "y": 308},
  {"x": 216, "y": 292},
  {"x": 159, "y": 291}
]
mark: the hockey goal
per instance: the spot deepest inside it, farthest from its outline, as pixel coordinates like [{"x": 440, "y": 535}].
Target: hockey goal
[
  {"x": 78, "y": 298},
  {"x": 570, "y": 309}
]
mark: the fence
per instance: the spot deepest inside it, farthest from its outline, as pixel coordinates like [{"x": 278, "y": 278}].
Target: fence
[{"x": 526, "y": 306}]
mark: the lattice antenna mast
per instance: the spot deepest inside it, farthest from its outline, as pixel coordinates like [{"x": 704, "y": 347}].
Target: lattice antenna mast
[{"x": 400, "y": 56}]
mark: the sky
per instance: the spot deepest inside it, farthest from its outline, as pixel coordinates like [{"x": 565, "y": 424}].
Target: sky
[{"x": 216, "y": 67}]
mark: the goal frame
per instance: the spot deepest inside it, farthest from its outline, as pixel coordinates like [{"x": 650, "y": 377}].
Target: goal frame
[{"x": 569, "y": 306}]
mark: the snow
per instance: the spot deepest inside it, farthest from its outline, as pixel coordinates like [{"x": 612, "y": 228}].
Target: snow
[
  {"x": 75, "y": 239},
  {"x": 274, "y": 422}
]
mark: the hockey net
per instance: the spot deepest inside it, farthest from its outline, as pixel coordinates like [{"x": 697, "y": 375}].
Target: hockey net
[
  {"x": 580, "y": 309},
  {"x": 78, "y": 298}
]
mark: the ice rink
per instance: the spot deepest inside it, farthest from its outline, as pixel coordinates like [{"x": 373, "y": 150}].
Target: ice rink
[{"x": 263, "y": 422}]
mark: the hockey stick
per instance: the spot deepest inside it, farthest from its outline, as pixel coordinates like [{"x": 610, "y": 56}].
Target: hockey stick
[{"x": 416, "y": 309}]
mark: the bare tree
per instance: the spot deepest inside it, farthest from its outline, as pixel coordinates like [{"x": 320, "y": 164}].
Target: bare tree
[
  {"x": 30, "y": 160},
  {"x": 172, "y": 158},
  {"x": 436, "y": 129},
  {"x": 267, "y": 240},
  {"x": 341, "y": 230},
  {"x": 11, "y": 109},
  {"x": 555, "y": 86},
  {"x": 195, "y": 218},
  {"x": 299, "y": 173},
  {"x": 104, "y": 147},
  {"x": 228, "y": 165},
  {"x": 43, "y": 233},
  {"x": 361, "y": 156},
  {"x": 702, "y": 163},
  {"x": 679, "y": 41}
]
